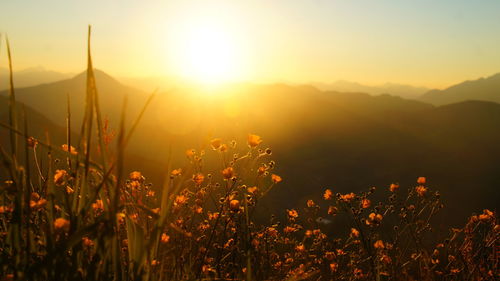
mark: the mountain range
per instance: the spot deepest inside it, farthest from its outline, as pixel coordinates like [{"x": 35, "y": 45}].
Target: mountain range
[
  {"x": 31, "y": 77},
  {"x": 320, "y": 139}
]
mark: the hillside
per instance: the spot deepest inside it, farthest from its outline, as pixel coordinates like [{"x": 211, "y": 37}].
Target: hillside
[
  {"x": 482, "y": 89},
  {"x": 404, "y": 91},
  {"x": 319, "y": 139}
]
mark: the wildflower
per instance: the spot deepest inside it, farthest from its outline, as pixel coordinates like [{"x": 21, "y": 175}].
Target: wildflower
[
  {"x": 262, "y": 170},
  {"x": 300, "y": 248},
  {"x": 234, "y": 205},
  {"x": 69, "y": 190},
  {"x": 421, "y": 190},
  {"x": 176, "y": 172},
  {"x": 5, "y": 209},
  {"x": 252, "y": 190},
  {"x": 155, "y": 262},
  {"x": 386, "y": 259},
  {"x": 228, "y": 173},
  {"x": 374, "y": 219},
  {"x": 180, "y": 200},
  {"x": 394, "y": 187},
  {"x": 87, "y": 242},
  {"x": 59, "y": 177},
  {"x": 347, "y": 197},
  {"x": 308, "y": 233},
  {"x": 212, "y": 216},
  {"x": 61, "y": 224},
  {"x": 69, "y": 149},
  {"x": 197, "y": 209},
  {"x": 136, "y": 176},
  {"x": 289, "y": 229},
  {"x": 329, "y": 255},
  {"x": 334, "y": 267},
  {"x": 98, "y": 205},
  {"x": 120, "y": 217},
  {"x": 365, "y": 203},
  {"x": 38, "y": 204},
  {"x": 216, "y": 143},
  {"x": 379, "y": 244},
  {"x": 253, "y": 140},
  {"x": 354, "y": 232},
  {"x": 421, "y": 180},
  {"x": 229, "y": 243},
  {"x": 276, "y": 178},
  {"x": 358, "y": 273},
  {"x": 32, "y": 142},
  {"x": 292, "y": 214},
  {"x": 271, "y": 231},
  {"x": 198, "y": 178},
  {"x": 190, "y": 152},
  {"x": 164, "y": 238},
  {"x": 332, "y": 210},
  {"x": 486, "y": 215},
  {"x": 328, "y": 194},
  {"x": 310, "y": 203}
]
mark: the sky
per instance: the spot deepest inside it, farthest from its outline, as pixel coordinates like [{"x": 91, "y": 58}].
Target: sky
[{"x": 424, "y": 43}]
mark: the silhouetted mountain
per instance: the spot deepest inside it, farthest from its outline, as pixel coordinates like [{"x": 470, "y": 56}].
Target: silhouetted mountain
[
  {"x": 51, "y": 99},
  {"x": 343, "y": 141},
  {"x": 405, "y": 91},
  {"x": 482, "y": 89},
  {"x": 31, "y": 77}
]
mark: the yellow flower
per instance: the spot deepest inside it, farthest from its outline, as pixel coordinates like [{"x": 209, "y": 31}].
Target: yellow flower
[
  {"x": 59, "y": 177},
  {"x": 292, "y": 214},
  {"x": 347, "y": 197},
  {"x": 69, "y": 149},
  {"x": 198, "y": 178},
  {"x": 62, "y": 224},
  {"x": 216, "y": 143},
  {"x": 310, "y": 203},
  {"x": 421, "y": 190},
  {"x": 176, "y": 172},
  {"x": 165, "y": 238},
  {"x": 253, "y": 140},
  {"x": 365, "y": 203},
  {"x": 276, "y": 178},
  {"x": 328, "y": 194},
  {"x": 334, "y": 267},
  {"x": 228, "y": 173},
  {"x": 300, "y": 248},
  {"x": 252, "y": 190},
  {"x": 421, "y": 180},
  {"x": 234, "y": 205},
  {"x": 394, "y": 187},
  {"x": 98, "y": 205},
  {"x": 120, "y": 217},
  {"x": 354, "y": 232},
  {"x": 136, "y": 176},
  {"x": 379, "y": 244},
  {"x": 374, "y": 219},
  {"x": 180, "y": 200}
]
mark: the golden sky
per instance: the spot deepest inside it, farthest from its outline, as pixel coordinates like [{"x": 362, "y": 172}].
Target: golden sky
[{"x": 424, "y": 43}]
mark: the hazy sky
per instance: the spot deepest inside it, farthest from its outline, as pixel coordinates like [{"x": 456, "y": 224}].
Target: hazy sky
[{"x": 423, "y": 42}]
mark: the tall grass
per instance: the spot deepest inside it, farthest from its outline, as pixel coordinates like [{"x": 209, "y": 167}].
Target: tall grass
[{"x": 86, "y": 219}]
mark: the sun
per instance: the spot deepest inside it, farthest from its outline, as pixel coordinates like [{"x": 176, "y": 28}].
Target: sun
[{"x": 208, "y": 53}]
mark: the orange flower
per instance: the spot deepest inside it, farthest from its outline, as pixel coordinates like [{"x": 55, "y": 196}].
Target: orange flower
[
  {"x": 98, "y": 205},
  {"x": 252, "y": 190},
  {"x": 165, "y": 238},
  {"x": 32, "y": 142},
  {"x": 394, "y": 187},
  {"x": 365, "y": 203},
  {"x": 69, "y": 190},
  {"x": 136, "y": 176},
  {"x": 347, "y": 197},
  {"x": 38, "y": 204},
  {"x": 486, "y": 215},
  {"x": 5, "y": 209},
  {"x": 334, "y": 267},
  {"x": 87, "y": 242},
  {"x": 69, "y": 149},
  {"x": 262, "y": 170},
  {"x": 228, "y": 173},
  {"x": 329, "y": 255},
  {"x": 253, "y": 140},
  {"x": 421, "y": 190},
  {"x": 216, "y": 143},
  {"x": 310, "y": 203},
  {"x": 180, "y": 200},
  {"x": 292, "y": 214},
  {"x": 289, "y": 229},
  {"x": 300, "y": 248},
  {"x": 421, "y": 180},
  {"x": 379, "y": 244},
  {"x": 332, "y": 210},
  {"x": 120, "y": 217},
  {"x": 190, "y": 152},
  {"x": 328, "y": 194},
  {"x": 271, "y": 231},
  {"x": 386, "y": 259},
  {"x": 59, "y": 177},
  {"x": 276, "y": 178},
  {"x": 374, "y": 219},
  {"x": 176, "y": 172},
  {"x": 234, "y": 205},
  {"x": 61, "y": 224},
  {"x": 223, "y": 147},
  {"x": 198, "y": 178},
  {"x": 354, "y": 232}
]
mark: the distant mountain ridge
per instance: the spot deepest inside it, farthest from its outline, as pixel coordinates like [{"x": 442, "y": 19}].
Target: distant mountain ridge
[
  {"x": 31, "y": 77},
  {"x": 482, "y": 89},
  {"x": 405, "y": 91}
]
